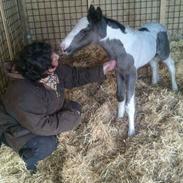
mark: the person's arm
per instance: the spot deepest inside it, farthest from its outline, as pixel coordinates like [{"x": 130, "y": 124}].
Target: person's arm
[
  {"x": 32, "y": 115},
  {"x": 78, "y": 76}
]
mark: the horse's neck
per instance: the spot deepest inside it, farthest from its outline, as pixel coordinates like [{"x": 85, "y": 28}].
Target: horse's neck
[
  {"x": 114, "y": 48},
  {"x": 115, "y": 40}
]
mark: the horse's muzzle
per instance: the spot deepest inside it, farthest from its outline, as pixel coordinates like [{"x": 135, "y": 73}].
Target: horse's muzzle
[{"x": 66, "y": 51}]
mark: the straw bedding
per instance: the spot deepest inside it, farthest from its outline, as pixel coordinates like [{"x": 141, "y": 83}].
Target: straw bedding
[{"x": 99, "y": 151}]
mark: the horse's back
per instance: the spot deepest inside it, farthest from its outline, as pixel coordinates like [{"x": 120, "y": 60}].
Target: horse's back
[{"x": 154, "y": 28}]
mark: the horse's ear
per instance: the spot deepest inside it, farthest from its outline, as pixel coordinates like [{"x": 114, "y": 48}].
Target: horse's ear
[
  {"x": 91, "y": 13},
  {"x": 94, "y": 16},
  {"x": 91, "y": 9},
  {"x": 99, "y": 12}
]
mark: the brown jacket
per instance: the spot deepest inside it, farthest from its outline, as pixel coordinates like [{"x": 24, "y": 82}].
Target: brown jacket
[{"x": 37, "y": 110}]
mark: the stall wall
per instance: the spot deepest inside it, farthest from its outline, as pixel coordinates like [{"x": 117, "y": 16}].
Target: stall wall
[
  {"x": 51, "y": 20},
  {"x": 11, "y": 34}
]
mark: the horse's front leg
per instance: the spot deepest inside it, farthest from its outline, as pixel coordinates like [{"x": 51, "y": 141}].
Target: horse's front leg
[
  {"x": 127, "y": 69},
  {"x": 121, "y": 94},
  {"x": 130, "y": 100}
]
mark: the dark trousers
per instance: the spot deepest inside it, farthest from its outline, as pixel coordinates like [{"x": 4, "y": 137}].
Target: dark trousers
[{"x": 37, "y": 149}]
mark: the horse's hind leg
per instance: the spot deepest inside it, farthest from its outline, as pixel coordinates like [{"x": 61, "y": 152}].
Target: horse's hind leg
[
  {"x": 163, "y": 50},
  {"x": 155, "y": 69},
  {"x": 169, "y": 62}
]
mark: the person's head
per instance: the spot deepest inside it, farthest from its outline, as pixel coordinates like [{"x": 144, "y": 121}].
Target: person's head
[{"x": 36, "y": 61}]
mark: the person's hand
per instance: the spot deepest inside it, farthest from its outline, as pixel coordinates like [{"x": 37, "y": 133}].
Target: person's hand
[
  {"x": 109, "y": 66},
  {"x": 72, "y": 106}
]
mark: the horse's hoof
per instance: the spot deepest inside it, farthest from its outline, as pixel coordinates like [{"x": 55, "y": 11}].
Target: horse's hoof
[
  {"x": 131, "y": 133},
  {"x": 175, "y": 88},
  {"x": 120, "y": 116}
]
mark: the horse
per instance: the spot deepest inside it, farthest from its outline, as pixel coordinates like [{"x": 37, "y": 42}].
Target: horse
[{"x": 131, "y": 48}]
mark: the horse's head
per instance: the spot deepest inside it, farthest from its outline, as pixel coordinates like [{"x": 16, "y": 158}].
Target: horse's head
[{"x": 88, "y": 29}]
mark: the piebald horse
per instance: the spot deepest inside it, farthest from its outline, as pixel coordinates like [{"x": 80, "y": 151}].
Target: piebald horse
[{"x": 131, "y": 49}]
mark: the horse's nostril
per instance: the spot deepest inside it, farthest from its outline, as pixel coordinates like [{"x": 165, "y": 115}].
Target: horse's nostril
[{"x": 64, "y": 50}]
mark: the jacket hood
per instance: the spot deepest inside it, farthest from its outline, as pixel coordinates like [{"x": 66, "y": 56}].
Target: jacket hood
[{"x": 10, "y": 72}]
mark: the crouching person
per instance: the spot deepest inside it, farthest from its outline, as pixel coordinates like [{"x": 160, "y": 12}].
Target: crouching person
[{"x": 35, "y": 100}]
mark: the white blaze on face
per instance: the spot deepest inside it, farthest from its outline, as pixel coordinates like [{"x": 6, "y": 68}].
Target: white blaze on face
[{"x": 82, "y": 23}]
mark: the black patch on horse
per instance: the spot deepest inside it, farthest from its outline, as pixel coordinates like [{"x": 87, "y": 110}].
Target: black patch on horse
[
  {"x": 115, "y": 24},
  {"x": 163, "y": 47},
  {"x": 144, "y": 29}
]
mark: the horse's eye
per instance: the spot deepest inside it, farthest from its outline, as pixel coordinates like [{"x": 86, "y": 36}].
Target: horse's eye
[{"x": 84, "y": 31}]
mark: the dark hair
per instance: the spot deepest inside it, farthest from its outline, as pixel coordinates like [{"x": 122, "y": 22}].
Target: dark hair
[{"x": 34, "y": 60}]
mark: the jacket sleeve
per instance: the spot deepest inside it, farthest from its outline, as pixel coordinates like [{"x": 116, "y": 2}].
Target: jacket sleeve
[
  {"x": 33, "y": 116},
  {"x": 78, "y": 76}
]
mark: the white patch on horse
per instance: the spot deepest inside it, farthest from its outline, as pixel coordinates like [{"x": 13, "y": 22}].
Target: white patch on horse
[
  {"x": 117, "y": 34},
  {"x": 141, "y": 45},
  {"x": 121, "y": 109},
  {"x": 130, "y": 109},
  {"x": 82, "y": 24},
  {"x": 171, "y": 68}
]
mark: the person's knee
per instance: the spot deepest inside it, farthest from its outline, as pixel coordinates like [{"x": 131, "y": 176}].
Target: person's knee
[{"x": 72, "y": 106}]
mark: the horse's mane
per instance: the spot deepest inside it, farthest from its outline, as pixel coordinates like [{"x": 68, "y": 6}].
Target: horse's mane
[{"x": 115, "y": 24}]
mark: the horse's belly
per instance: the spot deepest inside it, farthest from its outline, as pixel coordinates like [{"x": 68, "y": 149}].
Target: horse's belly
[
  {"x": 144, "y": 58},
  {"x": 143, "y": 50}
]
